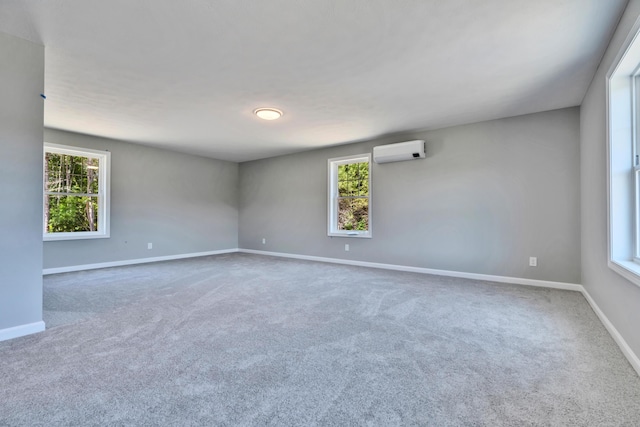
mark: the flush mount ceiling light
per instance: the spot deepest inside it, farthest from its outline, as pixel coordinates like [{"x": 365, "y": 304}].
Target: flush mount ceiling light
[{"x": 268, "y": 113}]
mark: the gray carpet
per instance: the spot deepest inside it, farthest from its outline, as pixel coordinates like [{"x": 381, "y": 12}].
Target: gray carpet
[{"x": 241, "y": 339}]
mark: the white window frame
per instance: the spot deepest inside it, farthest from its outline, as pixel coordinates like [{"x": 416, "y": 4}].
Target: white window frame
[
  {"x": 104, "y": 176},
  {"x": 333, "y": 164},
  {"x": 623, "y": 168}
]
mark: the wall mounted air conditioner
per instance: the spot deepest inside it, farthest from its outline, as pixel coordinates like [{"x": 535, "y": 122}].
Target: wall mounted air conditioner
[{"x": 399, "y": 152}]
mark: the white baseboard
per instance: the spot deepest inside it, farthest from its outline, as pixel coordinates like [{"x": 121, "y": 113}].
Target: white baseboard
[
  {"x": 22, "y": 330},
  {"x": 133, "y": 261},
  {"x": 476, "y": 276},
  {"x": 617, "y": 337}
]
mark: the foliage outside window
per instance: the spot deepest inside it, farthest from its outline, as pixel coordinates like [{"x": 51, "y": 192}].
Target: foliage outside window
[
  {"x": 76, "y": 193},
  {"x": 349, "y": 196}
]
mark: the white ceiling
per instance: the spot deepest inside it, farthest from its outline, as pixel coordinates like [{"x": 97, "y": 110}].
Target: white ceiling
[{"x": 186, "y": 75}]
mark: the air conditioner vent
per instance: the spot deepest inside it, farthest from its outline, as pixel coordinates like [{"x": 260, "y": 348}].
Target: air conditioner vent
[{"x": 399, "y": 152}]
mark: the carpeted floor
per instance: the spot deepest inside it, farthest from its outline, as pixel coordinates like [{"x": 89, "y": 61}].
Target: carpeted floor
[{"x": 241, "y": 339}]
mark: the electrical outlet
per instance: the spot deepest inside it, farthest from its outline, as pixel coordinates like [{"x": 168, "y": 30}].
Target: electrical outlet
[
  {"x": 264, "y": 241},
  {"x": 346, "y": 247},
  {"x": 533, "y": 261},
  {"x": 149, "y": 245}
]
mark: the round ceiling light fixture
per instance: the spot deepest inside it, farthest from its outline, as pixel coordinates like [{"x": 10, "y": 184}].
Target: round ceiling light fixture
[{"x": 268, "y": 113}]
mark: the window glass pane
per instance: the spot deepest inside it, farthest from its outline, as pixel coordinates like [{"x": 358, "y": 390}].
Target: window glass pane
[
  {"x": 364, "y": 170},
  {"x": 353, "y": 214},
  {"x": 349, "y": 196},
  {"x": 350, "y": 171},
  {"x": 343, "y": 189},
  {"x": 71, "y": 174},
  {"x": 351, "y": 177},
  {"x": 353, "y": 190},
  {"x": 342, "y": 172},
  {"x": 71, "y": 213},
  {"x": 52, "y": 171},
  {"x": 91, "y": 172}
]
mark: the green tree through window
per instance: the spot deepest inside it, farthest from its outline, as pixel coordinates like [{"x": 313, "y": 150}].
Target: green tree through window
[
  {"x": 71, "y": 202},
  {"x": 75, "y": 192},
  {"x": 353, "y": 196},
  {"x": 349, "y": 196}
]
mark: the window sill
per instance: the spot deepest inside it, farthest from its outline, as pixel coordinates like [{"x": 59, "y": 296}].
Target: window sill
[
  {"x": 73, "y": 236},
  {"x": 627, "y": 269},
  {"x": 356, "y": 235}
]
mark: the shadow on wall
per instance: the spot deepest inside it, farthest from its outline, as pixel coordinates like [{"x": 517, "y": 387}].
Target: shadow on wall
[{"x": 433, "y": 147}]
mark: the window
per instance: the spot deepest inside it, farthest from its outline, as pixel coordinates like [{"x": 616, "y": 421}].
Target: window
[
  {"x": 76, "y": 193},
  {"x": 349, "y": 196},
  {"x": 623, "y": 165}
]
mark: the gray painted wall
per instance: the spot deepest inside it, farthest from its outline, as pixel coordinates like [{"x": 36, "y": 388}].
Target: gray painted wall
[
  {"x": 21, "y": 118},
  {"x": 618, "y": 298},
  {"x": 181, "y": 203},
  {"x": 488, "y": 196}
]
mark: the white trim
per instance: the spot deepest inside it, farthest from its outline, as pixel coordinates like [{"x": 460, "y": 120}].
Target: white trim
[
  {"x": 104, "y": 192},
  {"x": 617, "y": 337},
  {"x": 72, "y": 150},
  {"x": 332, "y": 186},
  {"x": 74, "y": 235},
  {"x": 22, "y": 330},
  {"x": 621, "y": 123},
  {"x": 630, "y": 270},
  {"x": 464, "y": 275},
  {"x": 83, "y": 267}
]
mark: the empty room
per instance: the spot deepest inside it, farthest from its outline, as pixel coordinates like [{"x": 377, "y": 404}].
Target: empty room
[{"x": 329, "y": 213}]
